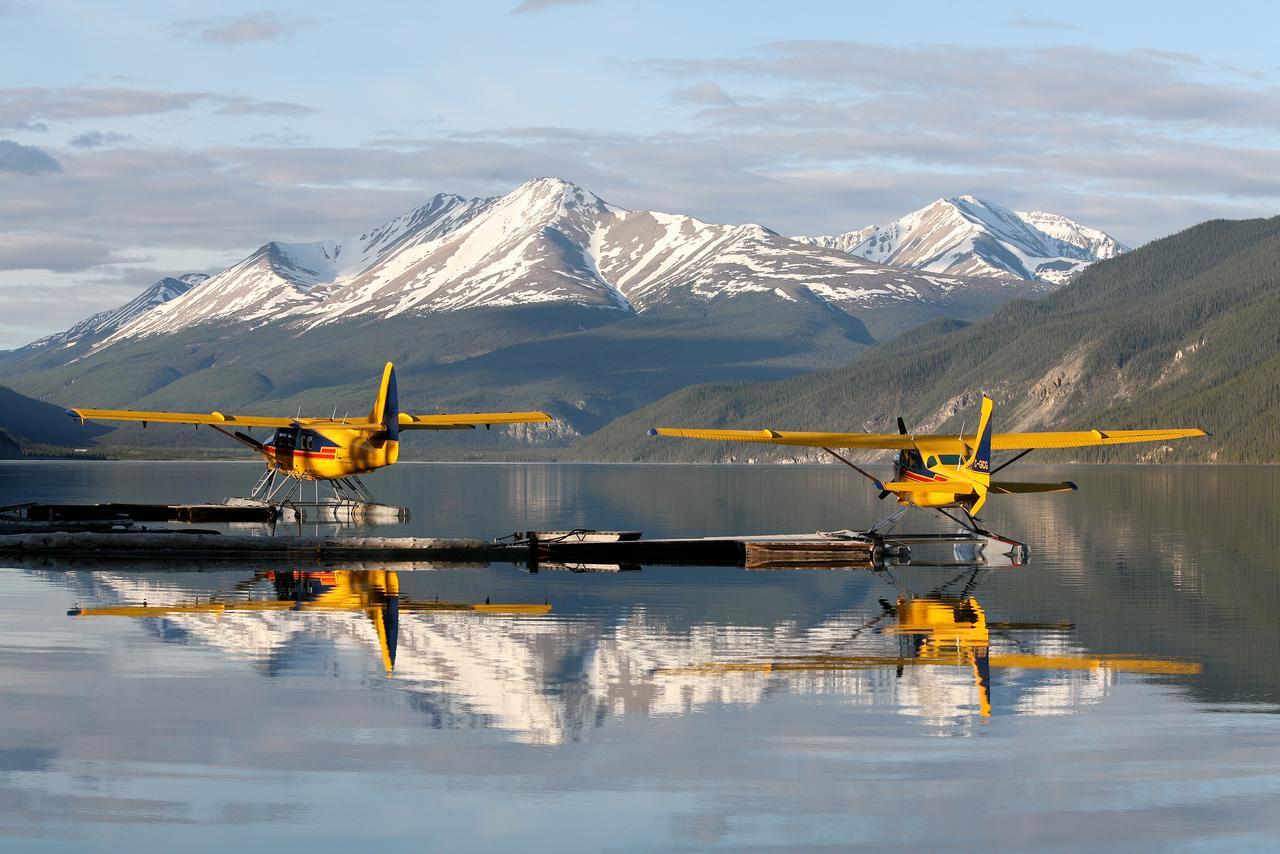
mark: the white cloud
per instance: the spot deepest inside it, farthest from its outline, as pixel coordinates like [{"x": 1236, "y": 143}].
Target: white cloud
[{"x": 241, "y": 29}]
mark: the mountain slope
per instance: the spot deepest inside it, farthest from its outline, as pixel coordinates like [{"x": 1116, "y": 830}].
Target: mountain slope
[
  {"x": 34, "y": 422},
  {"x": 1180, "y": 332},
  {"x": 968, "y": 236},
  {"x": 104, "y": 323},
  {"x": 549, "y": 241}
]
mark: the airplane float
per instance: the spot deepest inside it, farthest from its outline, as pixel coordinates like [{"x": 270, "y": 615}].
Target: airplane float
[
  {"x": 336, "y": 450},
  {"x": 943, "y": 472}
]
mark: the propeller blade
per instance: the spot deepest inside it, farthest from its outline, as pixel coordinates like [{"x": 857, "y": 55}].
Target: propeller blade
[
  {"x": 884, "y": 493},
  {"x": 902, "y": 426}
]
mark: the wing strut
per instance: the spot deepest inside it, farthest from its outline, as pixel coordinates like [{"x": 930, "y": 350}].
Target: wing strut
[
  {"x": 867, "y": 475},
  {"x": 1011, "y": 460}
]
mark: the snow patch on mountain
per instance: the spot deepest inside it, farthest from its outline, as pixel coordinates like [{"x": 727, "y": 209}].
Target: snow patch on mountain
[{"x": 968, "y": 236}]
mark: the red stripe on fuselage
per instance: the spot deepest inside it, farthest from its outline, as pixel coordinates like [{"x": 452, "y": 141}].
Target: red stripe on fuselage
[
  {"x": 913, "y": 476},
  {"x": 326, "y": 454}
]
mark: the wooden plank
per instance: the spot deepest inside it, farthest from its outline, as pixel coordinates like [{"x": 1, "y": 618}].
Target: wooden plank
[{"x": 812, "y": 554}]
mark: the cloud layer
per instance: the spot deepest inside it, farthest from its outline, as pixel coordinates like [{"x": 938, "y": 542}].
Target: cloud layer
[
  {"x": 25, "y": 159},
  {"x": 241, "y": 29},
  {"x": 810, "y": 136}
]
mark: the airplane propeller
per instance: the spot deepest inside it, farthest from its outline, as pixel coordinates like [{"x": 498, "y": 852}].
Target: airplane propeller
[{"x": 902, "y": 430}]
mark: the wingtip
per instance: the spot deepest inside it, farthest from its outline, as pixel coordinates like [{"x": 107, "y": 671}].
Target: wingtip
[
  {"x": 653, "y": 431},
  {"x": 1073, "y": 486}
]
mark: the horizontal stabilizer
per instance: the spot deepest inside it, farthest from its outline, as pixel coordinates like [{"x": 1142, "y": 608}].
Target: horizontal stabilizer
[{"x": 1012, "y": 488}]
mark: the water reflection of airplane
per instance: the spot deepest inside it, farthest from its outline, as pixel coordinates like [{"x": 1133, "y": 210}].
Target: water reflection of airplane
[
  {"x": 948, "y": 630},
  {"x": 375, "y": 592}
]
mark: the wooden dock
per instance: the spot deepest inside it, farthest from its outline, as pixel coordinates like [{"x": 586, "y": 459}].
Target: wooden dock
[
  {"x": 109, "y": 532},
  {"x": 181, "y": 546},
  {"x": 783, "y": 551},
  {"x": 122, "y": 512},
  {"x": 752, "y": 552}
]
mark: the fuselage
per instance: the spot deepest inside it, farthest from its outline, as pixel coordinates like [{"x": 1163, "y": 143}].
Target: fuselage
[
  {"x": 328, "y": 454},
  {"x": 926, "y": 467}
]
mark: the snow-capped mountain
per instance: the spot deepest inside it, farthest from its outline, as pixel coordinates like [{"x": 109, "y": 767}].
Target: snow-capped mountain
[
  {"x": 104, "y": 323},
  {"x": 546, "y": 241},
  {"x": 968, "y": 236}
]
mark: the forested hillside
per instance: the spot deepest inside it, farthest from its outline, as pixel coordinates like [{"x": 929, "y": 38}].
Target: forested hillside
[{"x": 1182, "y": 332}]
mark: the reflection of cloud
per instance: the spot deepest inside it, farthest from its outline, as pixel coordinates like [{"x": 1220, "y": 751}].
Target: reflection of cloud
[{"x": 241, "y": 29}]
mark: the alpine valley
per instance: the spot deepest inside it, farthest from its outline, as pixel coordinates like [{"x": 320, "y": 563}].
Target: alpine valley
[{"x": 546, "y": 297}]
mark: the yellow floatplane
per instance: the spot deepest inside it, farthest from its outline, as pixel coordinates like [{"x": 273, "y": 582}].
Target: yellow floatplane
[
  {"x": 336, "y": 450},
  {"x": 943, "y": 472}
]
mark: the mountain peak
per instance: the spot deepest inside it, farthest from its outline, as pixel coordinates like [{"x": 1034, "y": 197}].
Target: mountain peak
[
  {"x": 540, "y": 192},
  {"x": 970, "y": 236},
  {"x": 104, "y": 323}
]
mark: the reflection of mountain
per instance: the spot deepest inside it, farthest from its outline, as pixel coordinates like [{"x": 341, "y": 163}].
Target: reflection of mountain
[{"x": 551, "y": 678}]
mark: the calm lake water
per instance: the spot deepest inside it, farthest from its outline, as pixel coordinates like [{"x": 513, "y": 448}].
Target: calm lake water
[{"x": 1118, "y": 693}]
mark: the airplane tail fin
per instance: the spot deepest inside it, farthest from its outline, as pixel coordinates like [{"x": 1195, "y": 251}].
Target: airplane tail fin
[
  {"x": 980, "y": 460},
  {"x": 386, "y": 411}
]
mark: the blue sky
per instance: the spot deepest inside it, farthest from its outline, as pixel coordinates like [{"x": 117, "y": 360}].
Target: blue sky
[{"x": 143, "y": 139}]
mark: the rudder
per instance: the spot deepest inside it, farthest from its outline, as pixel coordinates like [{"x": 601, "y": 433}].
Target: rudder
[
  {"x": 980, "y": 461},
  {"x": 386, "y": 411}
]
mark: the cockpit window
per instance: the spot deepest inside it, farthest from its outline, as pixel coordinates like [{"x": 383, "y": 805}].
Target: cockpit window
[{"x": 950, "y": 459}]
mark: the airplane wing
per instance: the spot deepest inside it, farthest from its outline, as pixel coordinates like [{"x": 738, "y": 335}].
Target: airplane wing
[
  {"x": 216, "y": 418},
  {"x": 1085, "y": 438},
  {"x": 932, "y": 442},
  {"x": 469, "y": 420},
  {"x": 886, "y": 441}
]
